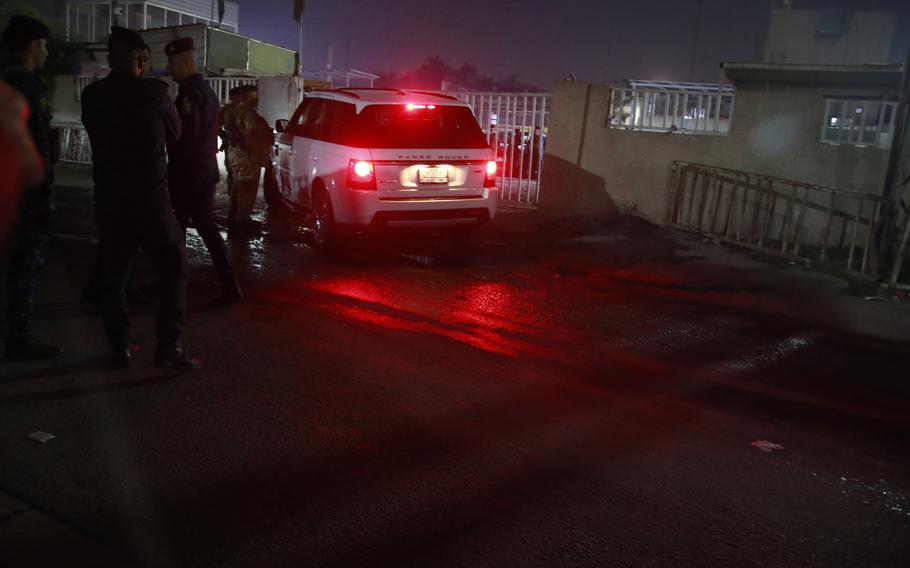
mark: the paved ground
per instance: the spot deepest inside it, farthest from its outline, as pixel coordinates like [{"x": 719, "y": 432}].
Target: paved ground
[{"x": 555, "y": 394}]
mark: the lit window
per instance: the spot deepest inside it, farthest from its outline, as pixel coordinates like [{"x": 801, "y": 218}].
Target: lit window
[{"x": 858, "y": 122}]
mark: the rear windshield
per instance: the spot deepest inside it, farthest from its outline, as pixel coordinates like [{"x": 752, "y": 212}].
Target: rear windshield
[{"x": 397, "y": 126}]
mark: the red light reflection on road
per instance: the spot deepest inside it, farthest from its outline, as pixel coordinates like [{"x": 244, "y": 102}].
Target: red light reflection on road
[{"x": 491, "y": 317}]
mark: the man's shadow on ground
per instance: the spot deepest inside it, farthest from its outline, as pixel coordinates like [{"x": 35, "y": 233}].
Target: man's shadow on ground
[{"x": 115, "y": 380}]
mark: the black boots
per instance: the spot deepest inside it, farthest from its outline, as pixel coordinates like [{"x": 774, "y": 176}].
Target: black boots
[{"x": 174, "y": 357}]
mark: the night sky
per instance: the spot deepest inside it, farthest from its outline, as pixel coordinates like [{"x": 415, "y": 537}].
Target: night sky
[{"x": 541, "y": 41}]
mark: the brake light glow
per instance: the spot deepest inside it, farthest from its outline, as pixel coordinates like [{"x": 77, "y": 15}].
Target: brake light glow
[
  {"x": 361, "y": 175},
  {"x": 490, "y": 179},
  {"x": 363, "y": 169},
  {"x": 411, "y": 106}
]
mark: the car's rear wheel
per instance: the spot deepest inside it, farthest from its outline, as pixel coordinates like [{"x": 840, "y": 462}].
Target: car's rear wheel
[{"x": 324, "y": 227}]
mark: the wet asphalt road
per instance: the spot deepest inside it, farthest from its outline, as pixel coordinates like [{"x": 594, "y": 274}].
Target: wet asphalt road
[{"x": 524, "y": 400}]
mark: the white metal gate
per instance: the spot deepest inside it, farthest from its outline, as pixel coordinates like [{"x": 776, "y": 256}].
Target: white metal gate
[
  {"x": 74, "y": 143},
  {"x": 516, "y": 125},
  {"x": 221, "y": 85}
]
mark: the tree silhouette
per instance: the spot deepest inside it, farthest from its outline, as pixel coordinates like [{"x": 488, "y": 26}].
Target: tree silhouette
[{"x": 436, "y": 74}]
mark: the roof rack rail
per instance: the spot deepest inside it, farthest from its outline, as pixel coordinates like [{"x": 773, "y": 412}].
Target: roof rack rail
[
  {"x": 338, "y": 91},
  {"x": 431, "y": 93},
  {"x": 347, "y": 89}
]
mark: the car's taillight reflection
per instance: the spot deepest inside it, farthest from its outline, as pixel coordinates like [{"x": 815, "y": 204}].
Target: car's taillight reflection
[{"x": 485, "y": 316}]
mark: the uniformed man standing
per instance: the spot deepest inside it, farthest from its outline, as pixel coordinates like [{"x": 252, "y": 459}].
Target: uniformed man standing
[
  {"x": 193, "y": 167},
  {"x": 93, "y": 292},
  {"x": 233, "y": 101},
  {"x": 251, "y": 139},
  {"x": 19, "y": 160},
  {"x": 24, "y": 255},
  {"x": 128, "y": 121}
]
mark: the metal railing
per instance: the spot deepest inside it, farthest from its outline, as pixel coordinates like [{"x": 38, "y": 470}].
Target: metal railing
[
  {"x": 74, "y": 143},
  {"x": 708, "y": 110},
  {"x": 516, "y": 125},
  {"x": 858, "y": 122},
  {"x": 805, "y": 222},
  {"x": 221, "y": 85}
]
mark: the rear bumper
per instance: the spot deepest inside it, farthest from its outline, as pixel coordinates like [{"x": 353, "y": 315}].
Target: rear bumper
[
  {"x": 431, "y": 218},
  {"x": 361, "y": 208}
]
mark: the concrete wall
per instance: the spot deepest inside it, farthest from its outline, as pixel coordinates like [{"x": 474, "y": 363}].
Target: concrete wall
[
  {"x": 868, "y": 38},
  {"x": 591, "y": 169},
  {"x": 279, "y": 97},
  {"x": 65, "y": 104}
]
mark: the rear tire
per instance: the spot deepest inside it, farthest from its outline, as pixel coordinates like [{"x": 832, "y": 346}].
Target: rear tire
[{"x": 325, "y": 230}]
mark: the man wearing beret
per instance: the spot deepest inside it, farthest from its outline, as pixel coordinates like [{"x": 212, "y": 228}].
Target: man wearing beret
[
  {"x": 193, "y": 167},
  {"x": 24, "y": 255},
  {"x": 128, "y": 121}
]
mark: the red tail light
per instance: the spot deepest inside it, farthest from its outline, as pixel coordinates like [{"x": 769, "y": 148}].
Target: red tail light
[
  {"x": 490, "y": 180},
  {"x": 361, "y": 175}
]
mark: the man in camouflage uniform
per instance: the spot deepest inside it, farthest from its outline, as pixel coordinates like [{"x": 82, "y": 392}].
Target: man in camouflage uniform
[
  {"x": 193, "y": 166},
  {"x": 251, "y": 139},
  {"x": 233, "y": 101},
  {"x": 25, "y": 254}
]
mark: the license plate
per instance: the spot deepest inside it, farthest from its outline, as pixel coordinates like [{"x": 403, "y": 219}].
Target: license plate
[{"x": 433, "y": 175}]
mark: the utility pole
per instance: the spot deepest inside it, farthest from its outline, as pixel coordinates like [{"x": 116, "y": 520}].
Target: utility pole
[
  {"x": 695, "y": 41},
  {"x": 299, "y": 6}
]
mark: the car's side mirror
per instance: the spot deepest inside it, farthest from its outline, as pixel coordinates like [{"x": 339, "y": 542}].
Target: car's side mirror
[{"x": 281, "y": 125}]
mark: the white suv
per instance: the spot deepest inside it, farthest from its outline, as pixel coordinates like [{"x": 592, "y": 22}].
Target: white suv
[{"x": 382, "y": 158}]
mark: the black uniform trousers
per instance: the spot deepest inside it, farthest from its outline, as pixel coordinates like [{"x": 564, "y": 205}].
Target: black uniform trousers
[
  {"x": 197, "y": 203},
  {"x": 22, "y": 260},
  {"x": 156, "y": 231}
]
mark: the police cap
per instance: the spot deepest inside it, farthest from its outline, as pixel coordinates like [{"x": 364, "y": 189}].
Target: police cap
[
  {"x": 179, "y": 46},
  {"x": 22, "y": 30},
  {"x": 126, "y": 38}
]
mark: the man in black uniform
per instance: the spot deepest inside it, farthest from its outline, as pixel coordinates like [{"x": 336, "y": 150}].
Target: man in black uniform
[
  {"x": 128, "y": 121},
  {"x": 25, "y": 253},
  {"x": 193, "y": 167},
  {"x": 93, "y": 293}
]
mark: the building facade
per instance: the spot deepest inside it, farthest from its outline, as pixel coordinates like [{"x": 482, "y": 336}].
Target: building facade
[
  {"x": 90, "y": 21},
  {"x": 834, "y": 32},
  {"x": 821, "y": 124}
]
